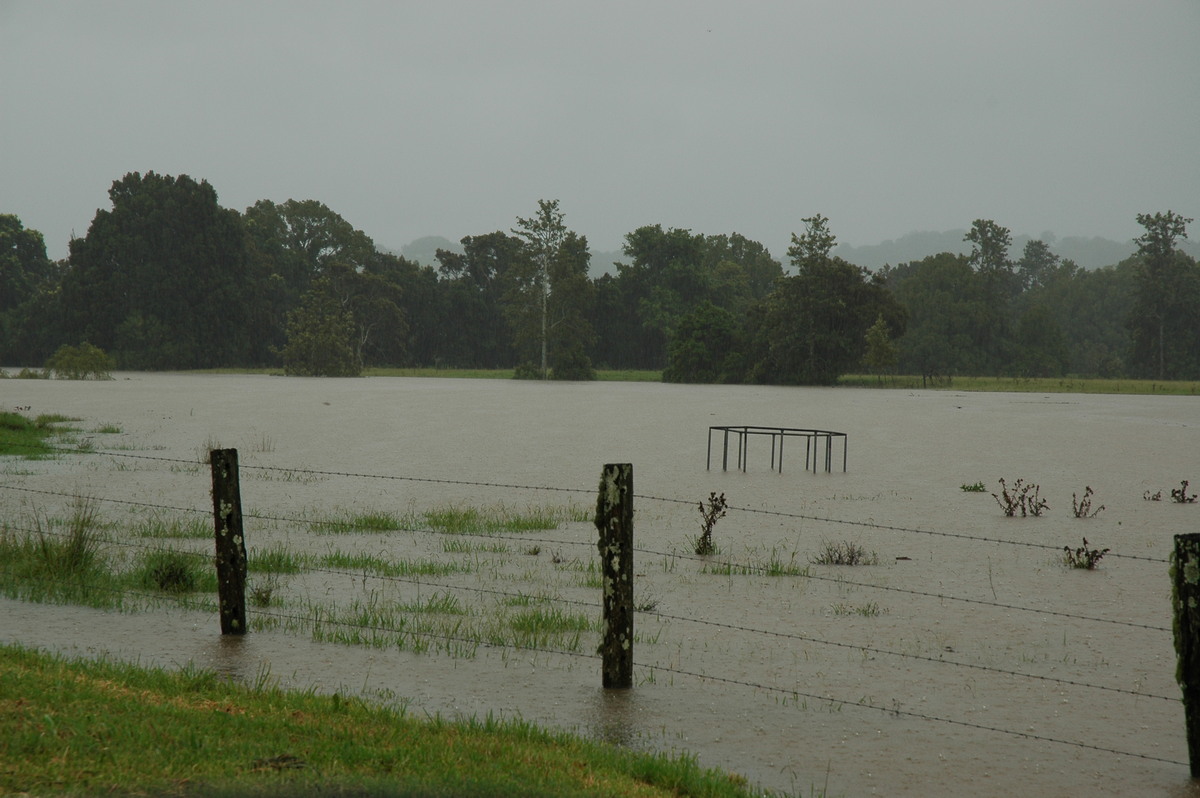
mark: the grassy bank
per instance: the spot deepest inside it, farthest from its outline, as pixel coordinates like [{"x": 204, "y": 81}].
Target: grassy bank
[
  {"x": 87, "y": 728},
  {"x": 1026, "y": 384}
]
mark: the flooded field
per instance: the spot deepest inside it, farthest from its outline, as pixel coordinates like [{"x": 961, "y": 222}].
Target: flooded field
[{"x": 966, "y": 659}]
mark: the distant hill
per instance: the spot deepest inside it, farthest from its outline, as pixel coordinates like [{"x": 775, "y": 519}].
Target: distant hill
[
  {"x": 1090, "y": 253},
  {"x": 424, "y": 250}
]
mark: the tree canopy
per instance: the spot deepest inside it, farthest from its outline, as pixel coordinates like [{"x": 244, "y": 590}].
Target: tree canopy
[{"x": 167, "y": 278}]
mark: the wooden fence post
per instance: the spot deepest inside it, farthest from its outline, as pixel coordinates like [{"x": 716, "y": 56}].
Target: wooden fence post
[
  {"x": 231, "y": 543},
  {"x": 1185, "y": 598},
  {"x": 614, "y": 520}
]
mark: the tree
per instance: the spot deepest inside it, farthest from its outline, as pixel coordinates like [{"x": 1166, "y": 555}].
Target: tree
[
  {"x": 944, "y": 302},
  {"x": 1163, "y": 319},
  {"x": 473, "y": 285},
  {"x": 301, "y": 238},
  {"x": 707, "y": 347},
  {"x": 167, "y": 259},
  {"x": 1037, "y": 264},
  {"x": 28, "y": 280},
  {"x": 881, "y": 352},
  {"x": 321, "y": 337},
  {"x": 543, "y": 234},
  {"x": 663, "y": 282},
  {"x": 815, "y": 323},
  {"x": 1090, "y": 307},
  {"x": 548, "y": 294},
  {"x": 24, "y": 268},
  {"x": 570, "y": 332},
  {"x": 989, "y": 256},
  {"x": 1041, "y": 349}
]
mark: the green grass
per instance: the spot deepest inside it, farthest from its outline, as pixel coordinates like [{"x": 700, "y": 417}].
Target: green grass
[
  {"x": 1027, "y": 384},
  {"x": 384, "y": 567},
  {"x": 193, "y": 528},
  {"x": 173, "y": 572},
  {"x": 88, "y": 728},
  {"x": 500, "y": 518},
  {"x": 773, "y": 565},
  {"x": 70, "y": 560},
  {"x": 29, "y": 437},
  {"x": 275, "y": 559},
  {"x": 347, "y": 523}
]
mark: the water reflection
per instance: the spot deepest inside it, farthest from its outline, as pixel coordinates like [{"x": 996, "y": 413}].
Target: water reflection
[
  {"x": 615, "y": 716},
  {"x": 227, "y": 656}
]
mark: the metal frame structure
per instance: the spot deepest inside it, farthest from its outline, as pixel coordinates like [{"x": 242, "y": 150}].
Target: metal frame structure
[{"x": 813, "y": 439}]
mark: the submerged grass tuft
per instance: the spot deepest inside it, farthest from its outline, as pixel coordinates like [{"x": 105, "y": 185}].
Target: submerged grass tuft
[
  {"x": 359, "y": 522},
  {"x": 501, "y": 518},
  {"x": 843, "y": 553}
]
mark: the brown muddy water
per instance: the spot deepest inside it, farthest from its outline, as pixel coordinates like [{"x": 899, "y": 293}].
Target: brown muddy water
[{"x": 969, "y": 660}]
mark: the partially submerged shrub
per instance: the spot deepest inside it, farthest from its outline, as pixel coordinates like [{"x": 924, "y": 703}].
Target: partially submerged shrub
[
  {"x": 844, "y": 553},
  {"x": 1083, "y": 507},
  {"x": 1180, "y": 494},
  {"x": 1022, "y": 496},
  {"x": 83, "y": 362},
  {"x": 975, "y": 487},
  {"x": 709, "y": 517},
  {"x": 1083, "y": 557}
]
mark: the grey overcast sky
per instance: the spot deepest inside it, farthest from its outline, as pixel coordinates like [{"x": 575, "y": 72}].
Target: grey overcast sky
[{"x": 453, "y": 118}]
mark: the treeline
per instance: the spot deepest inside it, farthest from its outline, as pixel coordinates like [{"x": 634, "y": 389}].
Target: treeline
[{"x": 168, "y": 279}]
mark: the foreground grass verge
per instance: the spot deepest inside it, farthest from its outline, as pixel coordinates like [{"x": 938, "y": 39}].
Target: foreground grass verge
[{"x": 86, "y": 728}]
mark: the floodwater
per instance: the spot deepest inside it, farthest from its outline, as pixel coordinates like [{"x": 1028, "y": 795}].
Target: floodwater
[{"x": 969, "y": 660}]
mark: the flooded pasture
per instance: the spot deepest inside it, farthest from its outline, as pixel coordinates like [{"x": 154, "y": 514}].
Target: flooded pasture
[{"x": 967, "y": 659}]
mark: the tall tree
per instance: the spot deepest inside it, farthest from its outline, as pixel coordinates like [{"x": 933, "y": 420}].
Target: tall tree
[
  {"x": 990, "y": 243},
  {"x": 321, "y": 335},
  {"x": 570, "y": 333},
  {"x": 543, "y": 234},
  {"x": 1165, "y": 336},
  {"x": 548, "y": 292},
  {"x": 301, "y": 238},
  {"x": 473, "y": 284},
  {"x": 664, "y": 281},
  {"x": 945, "y": 304},
  {"x": 24, "y": 268},
  {"x": 27, "y": 281},
  {"x": 815, "y": 323},
  {"x": 164, "y": 280},
  {"x": 1037, "y": 264}
]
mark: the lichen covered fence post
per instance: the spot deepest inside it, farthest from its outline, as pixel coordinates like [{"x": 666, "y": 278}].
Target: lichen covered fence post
[
  {"x": 614, "y": 520},
  {"x": 231, "y": 542},
  {"x": 1185, "y": 595}
]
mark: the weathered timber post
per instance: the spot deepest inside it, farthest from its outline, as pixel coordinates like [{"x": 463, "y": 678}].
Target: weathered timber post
[
  {"x": 1185, "y": 600},
  {"x": 614, "y": 520},
  {"x": 231, "y": 543}
]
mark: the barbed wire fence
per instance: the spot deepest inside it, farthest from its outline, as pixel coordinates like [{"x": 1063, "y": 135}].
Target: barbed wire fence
[{"x": 453, "y": 641}]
